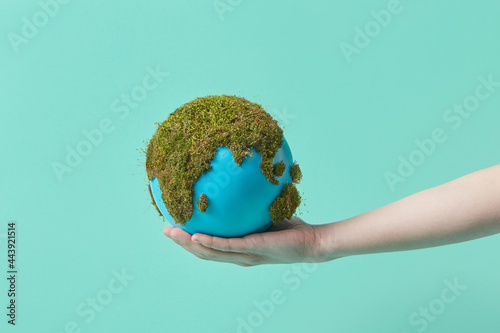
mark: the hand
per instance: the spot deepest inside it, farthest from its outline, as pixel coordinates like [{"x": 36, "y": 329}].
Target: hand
[{"x": 292, "y": 241}]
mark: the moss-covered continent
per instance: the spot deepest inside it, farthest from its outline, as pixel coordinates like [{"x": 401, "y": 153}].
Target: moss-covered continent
[
  {"x": 284, "y": 206},
  {"x": 279, "y": 169},
  {"x": 203, "y": 203},
  {"x": 185, "y": 143}
]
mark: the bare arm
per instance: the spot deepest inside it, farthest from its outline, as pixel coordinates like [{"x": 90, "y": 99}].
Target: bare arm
[
  {"x": 463, "y": 209},
  {"x": 460, "y": 210}
]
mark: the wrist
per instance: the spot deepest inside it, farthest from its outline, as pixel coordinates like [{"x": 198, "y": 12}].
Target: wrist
[{"x": 328, "y": 242}]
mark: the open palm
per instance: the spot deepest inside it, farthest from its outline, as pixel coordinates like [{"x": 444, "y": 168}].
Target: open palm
[{"x": 292, "y": 241}]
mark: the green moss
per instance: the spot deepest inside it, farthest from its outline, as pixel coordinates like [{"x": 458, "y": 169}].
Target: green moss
[
  {"x": 183, "y": 145},
  {"x": 295, "y": 173},
  {"x": 279, "y": 168},
  {"x": 285, "y": 205},
  {"x": 203, "y": 203}
]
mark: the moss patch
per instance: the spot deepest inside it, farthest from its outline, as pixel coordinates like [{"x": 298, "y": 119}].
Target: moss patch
[
  {"x": 285, "y": 205},
  {"x": 183, "y": 145},
  {"x": 203, "y": 203},
  {"x": 279, "y": 168},
  {"x": 295, "y": 173}
]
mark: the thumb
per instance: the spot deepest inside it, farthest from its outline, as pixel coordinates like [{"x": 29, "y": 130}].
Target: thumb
[{"x": 284, "y": 225}]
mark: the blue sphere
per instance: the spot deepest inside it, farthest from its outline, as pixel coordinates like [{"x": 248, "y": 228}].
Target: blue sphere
[{"x": 239, "y": 197}]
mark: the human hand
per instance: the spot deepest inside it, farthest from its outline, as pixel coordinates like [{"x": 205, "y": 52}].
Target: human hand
[{"x": 292, "y": 241}]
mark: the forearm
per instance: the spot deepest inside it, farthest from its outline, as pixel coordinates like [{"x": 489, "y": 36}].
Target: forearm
[{"x": 461, "y": 210}]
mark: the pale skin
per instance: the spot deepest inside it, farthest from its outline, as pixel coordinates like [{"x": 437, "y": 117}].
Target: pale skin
[{"x": 460, "y": 210}]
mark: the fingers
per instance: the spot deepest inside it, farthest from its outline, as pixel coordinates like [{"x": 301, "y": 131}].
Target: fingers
[
  {"x": 180, "y": 239},
  {"x": 225, "y": 244},
  {"x": 183, "y": 239}
]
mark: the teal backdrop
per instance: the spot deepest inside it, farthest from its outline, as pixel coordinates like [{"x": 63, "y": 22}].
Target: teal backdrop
[{"x": 378, "y": 100}]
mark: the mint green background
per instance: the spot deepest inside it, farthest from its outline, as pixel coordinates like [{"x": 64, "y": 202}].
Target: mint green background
[{"x": 350, "y": 123}]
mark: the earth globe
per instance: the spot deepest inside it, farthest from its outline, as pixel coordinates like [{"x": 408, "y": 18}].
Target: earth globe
[{"x": 220, "y": 165}]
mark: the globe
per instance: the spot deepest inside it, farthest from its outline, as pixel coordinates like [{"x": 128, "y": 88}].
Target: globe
[{"x": 239, "y": 196}]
